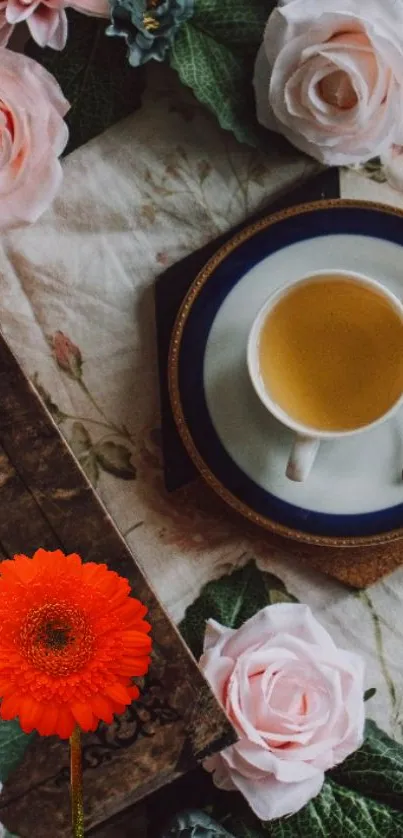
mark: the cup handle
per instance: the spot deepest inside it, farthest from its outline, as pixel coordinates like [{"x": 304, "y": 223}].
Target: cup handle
[{"x": 302, "y": 457}]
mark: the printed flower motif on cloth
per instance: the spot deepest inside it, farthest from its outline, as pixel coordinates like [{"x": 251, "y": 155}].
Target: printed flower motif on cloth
[
  {"x": 296, "y": 700},
  {"x": 68, "y": 355},
  {"x": 329, "y": 76}
]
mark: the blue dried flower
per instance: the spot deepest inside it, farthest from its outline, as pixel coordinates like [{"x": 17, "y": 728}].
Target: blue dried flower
[{"x": 148, "y": 26}]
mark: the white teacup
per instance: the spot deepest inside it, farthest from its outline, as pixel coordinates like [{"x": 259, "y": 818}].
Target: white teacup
[{"x": 307, "y": 440}]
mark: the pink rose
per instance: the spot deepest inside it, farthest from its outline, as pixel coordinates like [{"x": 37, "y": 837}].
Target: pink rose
[
  {"x": 296, "y": 702},
  {"x": 329, "y": 76},
  {"x": 32, "y": 136},
  {"x": 46, "y": 20}
]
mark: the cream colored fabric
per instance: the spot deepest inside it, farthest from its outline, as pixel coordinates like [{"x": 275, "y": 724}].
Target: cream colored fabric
[{"x": 138, "y": 198}]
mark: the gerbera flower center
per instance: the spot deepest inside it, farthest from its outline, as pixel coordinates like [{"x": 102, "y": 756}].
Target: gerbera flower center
[{"x": 57, "y": 638}]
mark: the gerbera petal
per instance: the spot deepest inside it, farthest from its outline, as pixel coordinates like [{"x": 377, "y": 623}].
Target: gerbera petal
[
  {"x": 137, "y": 640},
  {"x": 65, "y": 723},
  {"x": 133, "y": 667},
  {"x": 119, "y": 693},
  {"x": 9, "y": 569},
  {"x": 133, "y": 610},
  {"x": 102, "y": 708},
  {"x": 48, "y": 720},
  {"x": 83, "y": 715},
  {"x": 10, "y": 707},
  {"x": 134, "y": 692},
  {"x": 73, "y": 563},
  {"x": 29, "y": 714}
]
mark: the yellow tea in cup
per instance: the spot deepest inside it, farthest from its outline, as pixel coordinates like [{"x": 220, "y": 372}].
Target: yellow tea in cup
[{"x": 331, "y": 353}]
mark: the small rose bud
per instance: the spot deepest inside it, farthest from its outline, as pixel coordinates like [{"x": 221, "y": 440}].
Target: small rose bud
[{"x": 68, "y": 355}]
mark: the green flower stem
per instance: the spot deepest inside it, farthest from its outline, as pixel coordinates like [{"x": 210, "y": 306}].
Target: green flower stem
[{"x": 76, "y": 784}]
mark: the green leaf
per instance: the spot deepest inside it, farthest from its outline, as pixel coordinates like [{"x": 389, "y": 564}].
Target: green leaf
[
  {"x": 376, "y": 769},
  {"x": 239, "y": 24},
  {"x": 13, "y": 744},
  {"x": 115, "y": 459},
  {"x": 231, "y": 600},
  {"x": 369, "y": 693},
  {"x": 219, "y": 79},
  {"x": 94, "y": 75},
  {"x": 214, "y": 54},
  {"x": 338, "y": 812}
]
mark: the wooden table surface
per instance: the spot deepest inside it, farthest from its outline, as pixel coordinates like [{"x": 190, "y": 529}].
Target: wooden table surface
[{"x": 46, "y": 501}]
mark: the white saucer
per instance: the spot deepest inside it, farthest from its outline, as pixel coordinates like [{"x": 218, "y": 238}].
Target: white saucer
[{"x": 354, "y": 493}]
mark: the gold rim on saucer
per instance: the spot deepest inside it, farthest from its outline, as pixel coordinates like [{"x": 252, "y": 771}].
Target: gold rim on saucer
[{"x": 173, "y": 378}]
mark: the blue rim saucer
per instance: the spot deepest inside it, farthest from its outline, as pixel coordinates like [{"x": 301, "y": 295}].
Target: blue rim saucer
[{"x": 324, "y": 234}]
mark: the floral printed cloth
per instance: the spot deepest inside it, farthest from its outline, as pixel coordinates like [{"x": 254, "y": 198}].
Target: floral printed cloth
[{"x": 77, "y": 309}]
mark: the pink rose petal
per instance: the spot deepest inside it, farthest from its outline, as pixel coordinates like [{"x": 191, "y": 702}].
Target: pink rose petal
[{"x": 33, "y": 134}]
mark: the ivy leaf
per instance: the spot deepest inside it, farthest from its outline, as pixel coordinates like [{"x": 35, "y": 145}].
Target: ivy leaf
[
  {"x": 231, "y": 600},
  {"x": 94, "y": 75},
  {"x": 214, "y": 54},
  {"x": 338, "y": 811},
  {"x": 376, "y": 769},
  {"x": 13, "y": 744},
  {"x": 115, "y": 459},
  {"x": 219, "y": 79}
]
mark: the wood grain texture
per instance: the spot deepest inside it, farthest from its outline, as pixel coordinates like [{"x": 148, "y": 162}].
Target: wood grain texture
[{"x": 48, "y": 502}]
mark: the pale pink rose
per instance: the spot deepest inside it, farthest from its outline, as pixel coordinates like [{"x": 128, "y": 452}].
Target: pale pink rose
[
  {"x": 329, "y": 76},
  {"x": 46, "y": 20},
  {"x": 392, "y": 162},
  {"x": 5, "y": 27},
  {"x": 32, "y": 136},
  {"x": 93, "y": 8},
  {"x": 295, "y": 699}
]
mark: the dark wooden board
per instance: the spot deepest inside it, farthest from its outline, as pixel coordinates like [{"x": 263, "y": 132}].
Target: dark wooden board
[{"x": 46, "y": 501}]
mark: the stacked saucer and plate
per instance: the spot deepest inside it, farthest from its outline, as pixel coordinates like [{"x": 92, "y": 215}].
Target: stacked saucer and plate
[{"x": 349, "y": 495}]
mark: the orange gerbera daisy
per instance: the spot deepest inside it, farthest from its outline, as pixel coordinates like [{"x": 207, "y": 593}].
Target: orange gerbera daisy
[{"x": 71, "y": 640}]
